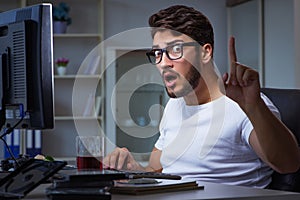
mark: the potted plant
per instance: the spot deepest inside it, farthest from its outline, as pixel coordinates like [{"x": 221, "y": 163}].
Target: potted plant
[
  {"x": 61, "y": 65},
  {"x": 61, "y": 18}
]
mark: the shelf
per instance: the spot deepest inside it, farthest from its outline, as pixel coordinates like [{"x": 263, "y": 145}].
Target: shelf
[
  {"x": 83, "y": 76},
  {"x": 77, "y": 35},
  {"x": 136, "y": 126},
  {"x": 62, "y": 118},
  {"x": 123, "y": 90},
  {"x": 144, "y": 88}
]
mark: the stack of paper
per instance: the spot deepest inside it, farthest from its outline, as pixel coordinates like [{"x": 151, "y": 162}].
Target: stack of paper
[{"x": 161, "y": 185}]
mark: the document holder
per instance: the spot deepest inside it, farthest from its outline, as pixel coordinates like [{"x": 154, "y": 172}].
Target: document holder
[{"x": 27, "y": 177}]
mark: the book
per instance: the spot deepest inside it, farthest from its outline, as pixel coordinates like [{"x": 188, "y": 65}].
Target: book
[
  {"x": 13, "y": 142},
  {"x": 16, "y": 142},
  {"x": 160, "y": 185},
  {"x": 97, "y": 106},
  {"x": 33, "y": 142},
  {"x": 93, "y": 66},
  {"x": 90, "y": 103},
  {"x": 29, "y": 141}
]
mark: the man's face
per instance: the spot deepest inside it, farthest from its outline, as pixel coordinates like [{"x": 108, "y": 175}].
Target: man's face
[{"x": 180, "y": 76}]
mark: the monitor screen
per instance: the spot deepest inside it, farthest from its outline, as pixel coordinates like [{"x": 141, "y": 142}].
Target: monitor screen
[{"x": 26, "y": 68}]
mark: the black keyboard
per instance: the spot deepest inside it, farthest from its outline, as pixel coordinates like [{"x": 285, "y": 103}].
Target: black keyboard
[{"x": 141, "y": 174}]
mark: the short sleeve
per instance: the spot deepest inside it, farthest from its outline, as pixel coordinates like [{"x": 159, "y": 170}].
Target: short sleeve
[
  {"x": 159, "y": 143},
  {"x": 247, "y": 125}
]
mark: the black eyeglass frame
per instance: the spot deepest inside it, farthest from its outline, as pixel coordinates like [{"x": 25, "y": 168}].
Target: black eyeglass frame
[{"x": 164, "y": 50}]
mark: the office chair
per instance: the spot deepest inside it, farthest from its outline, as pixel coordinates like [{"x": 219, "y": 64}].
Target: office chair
[{"x": 288, "y": 103}]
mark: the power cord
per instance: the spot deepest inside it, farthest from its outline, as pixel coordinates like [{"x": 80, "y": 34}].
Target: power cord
[{"x": 9, "y": 130}]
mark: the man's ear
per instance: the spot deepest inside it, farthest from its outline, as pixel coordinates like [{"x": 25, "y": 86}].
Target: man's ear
[{"x": 206, "y": 53}]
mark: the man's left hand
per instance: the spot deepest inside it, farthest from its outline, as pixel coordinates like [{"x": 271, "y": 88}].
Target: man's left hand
[{"x": 243, "y": 85}]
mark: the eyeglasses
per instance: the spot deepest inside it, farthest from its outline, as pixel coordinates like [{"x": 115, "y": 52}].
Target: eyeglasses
[{"x": 173, "y": 52}]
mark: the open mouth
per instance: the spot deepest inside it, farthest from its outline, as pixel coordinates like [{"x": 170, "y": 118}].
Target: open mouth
[{"x": 169, "y": 79}]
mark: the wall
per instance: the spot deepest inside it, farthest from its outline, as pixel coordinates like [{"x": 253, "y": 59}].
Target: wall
[
  {"x": 281, "y": 46},
  {"x": 122, "y": 15},
  {"x": 280, "y": 66},
  {"x": 244, "y": 23},
  {"x": 297, "y": 41}
]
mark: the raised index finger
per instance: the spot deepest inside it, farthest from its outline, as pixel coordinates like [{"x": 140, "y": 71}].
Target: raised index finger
[
  {"x": 232, "y": 50},
  {"x": 233, "y": 60}
]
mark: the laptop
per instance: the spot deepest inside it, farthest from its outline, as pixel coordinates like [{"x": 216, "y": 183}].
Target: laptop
[{"x": 17, "y": 184}]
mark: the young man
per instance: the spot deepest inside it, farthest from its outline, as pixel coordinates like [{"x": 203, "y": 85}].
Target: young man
[{"x": 212, "y": 130}]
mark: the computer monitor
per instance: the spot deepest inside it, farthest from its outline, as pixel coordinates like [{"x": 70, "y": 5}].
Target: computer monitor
[{"x": 26, "y": 68}]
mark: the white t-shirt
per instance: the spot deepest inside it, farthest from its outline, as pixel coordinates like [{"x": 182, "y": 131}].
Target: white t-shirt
[{"x": 210, "y": 142}]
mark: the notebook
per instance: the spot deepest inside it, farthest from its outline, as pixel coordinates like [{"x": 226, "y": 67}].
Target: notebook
[
  {"x": 27, "y": 177},
  {"x": 99, "y": 183},
  {"x": 142, "y": 174},
  {"x": 159, "y": 185}
]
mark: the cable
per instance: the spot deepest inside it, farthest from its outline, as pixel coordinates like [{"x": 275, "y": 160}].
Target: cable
[
  {"x": 9, "y": 151},
  {"x": 8, "y": 131}
]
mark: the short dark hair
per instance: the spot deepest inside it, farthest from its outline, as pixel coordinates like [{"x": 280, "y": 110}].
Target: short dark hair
[{"x": 185, "y": 20}]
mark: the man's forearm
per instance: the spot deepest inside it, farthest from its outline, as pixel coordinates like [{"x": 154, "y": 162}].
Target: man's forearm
[{"x": 278, "y": 145}]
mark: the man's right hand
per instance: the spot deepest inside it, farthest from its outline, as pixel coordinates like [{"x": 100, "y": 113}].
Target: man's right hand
[{"x": 121, "y": 159}]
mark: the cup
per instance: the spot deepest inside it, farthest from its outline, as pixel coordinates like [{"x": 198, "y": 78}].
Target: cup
[{"x": 90, "y": 152}]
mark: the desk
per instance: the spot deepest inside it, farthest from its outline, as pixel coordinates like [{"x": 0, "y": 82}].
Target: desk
[{"x": 210, "y": 191}]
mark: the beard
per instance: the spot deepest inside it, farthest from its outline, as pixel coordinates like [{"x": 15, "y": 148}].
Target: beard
[{"x": 192, "y": 80}]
